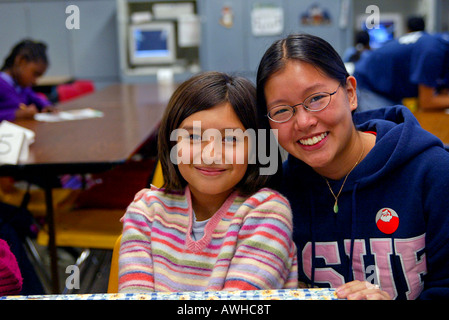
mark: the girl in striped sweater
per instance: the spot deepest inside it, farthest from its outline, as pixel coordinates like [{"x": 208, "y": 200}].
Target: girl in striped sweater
[{"x": 213, "y": 225}]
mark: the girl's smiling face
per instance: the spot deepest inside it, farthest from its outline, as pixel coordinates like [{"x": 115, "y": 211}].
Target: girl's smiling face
[
  {"x": 321, "y": 138},
  {"x": 217, "y": 161}
]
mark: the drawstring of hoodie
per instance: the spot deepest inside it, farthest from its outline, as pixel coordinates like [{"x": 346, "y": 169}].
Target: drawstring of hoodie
[
  {"x": 349, "y": 273},
  {"x": 312, "y": 231}
]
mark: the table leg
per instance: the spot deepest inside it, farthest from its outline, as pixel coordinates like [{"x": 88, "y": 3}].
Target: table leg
[{"x": 51, "y": 239}]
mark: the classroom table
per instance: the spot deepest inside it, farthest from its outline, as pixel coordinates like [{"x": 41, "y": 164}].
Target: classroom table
[
  {"x": 131, "y": 114},
  {"x": 280, "y": 294}
]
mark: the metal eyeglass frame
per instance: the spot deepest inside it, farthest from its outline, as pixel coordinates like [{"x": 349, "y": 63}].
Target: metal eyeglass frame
[{"x": 304, "y": 105}]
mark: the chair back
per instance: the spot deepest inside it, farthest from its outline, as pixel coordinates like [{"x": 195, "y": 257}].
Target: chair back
[
  {"x": 73, "y": 90},
  {"x": 113, "y": 273},
  {"x": 158, "y": 181}
]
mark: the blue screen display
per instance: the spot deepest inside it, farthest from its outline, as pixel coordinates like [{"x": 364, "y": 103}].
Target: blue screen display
[
  {"x": 151, "y": 43},
  {"x": 380, "y": 34}
]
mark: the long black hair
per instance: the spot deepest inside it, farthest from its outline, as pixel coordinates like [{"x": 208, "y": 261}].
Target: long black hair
[
  {"x": 30, "y": 50},
  {"x": 302, "y": 47}
]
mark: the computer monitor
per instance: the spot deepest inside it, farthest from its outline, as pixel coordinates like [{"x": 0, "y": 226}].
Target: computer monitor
[
  {"x": 152, "y": 43},
  {"x": 390, "y": 26}
]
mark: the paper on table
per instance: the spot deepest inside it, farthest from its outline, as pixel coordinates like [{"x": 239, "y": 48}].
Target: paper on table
[
  {"x": 14, "y": 142},
  {"x": 78, "y": 114}
]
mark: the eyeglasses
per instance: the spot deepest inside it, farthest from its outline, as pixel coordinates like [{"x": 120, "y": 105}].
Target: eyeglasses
[{"x": 314, "y": 103}]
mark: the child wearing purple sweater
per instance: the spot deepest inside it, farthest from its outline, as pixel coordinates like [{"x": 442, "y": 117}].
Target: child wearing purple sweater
[{"x": 26, "y": 62}]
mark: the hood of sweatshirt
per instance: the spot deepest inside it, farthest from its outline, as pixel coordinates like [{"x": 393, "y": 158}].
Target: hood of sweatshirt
[{"x": 399, "y": 138}]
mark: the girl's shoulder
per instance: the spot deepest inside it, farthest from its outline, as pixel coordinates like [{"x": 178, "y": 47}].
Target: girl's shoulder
[
  {"x": 156, "y": 201},
  {"x": 5, "y": 85},
  {"x": 267, "y": 199},
  {"x": 161, "y": 195},
  {"x": 268, "y": 194},
  {"x": 266, "y": 204}
]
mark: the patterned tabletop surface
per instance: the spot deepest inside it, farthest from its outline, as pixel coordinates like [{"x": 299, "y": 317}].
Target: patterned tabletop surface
[{"x": 281, "y": 294}]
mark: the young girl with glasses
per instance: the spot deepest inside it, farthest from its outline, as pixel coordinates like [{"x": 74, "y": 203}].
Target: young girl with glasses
[
  {"x": 214, "y": 225},
  {"x": 367, "y": 189}
]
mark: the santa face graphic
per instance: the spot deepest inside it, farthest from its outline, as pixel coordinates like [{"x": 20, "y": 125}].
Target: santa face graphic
[
  {"x": 386, "y": 215},
  {"x": 387, "y": 220}
]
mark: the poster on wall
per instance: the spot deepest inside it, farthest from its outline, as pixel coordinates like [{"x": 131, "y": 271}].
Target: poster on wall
[
  {"x": 267, "y": 20},
  {"x": 315, "y": 15},
  {"x": 227, "y": 16}
]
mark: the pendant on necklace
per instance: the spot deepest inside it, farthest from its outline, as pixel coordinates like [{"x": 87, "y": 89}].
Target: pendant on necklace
[{"x": 335, "y": 207}]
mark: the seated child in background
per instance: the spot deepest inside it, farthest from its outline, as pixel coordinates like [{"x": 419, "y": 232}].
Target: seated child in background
[
  {"x": 10, "y": 276},
  {"x": 213, "y": 226},
  {"x": 26, "y": 62}
]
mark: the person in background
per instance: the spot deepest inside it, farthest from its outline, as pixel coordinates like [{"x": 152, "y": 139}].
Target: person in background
[
  {"x": 368, "y": 189},
  {"x": 16, "y": 225},
  {"x": 362, "y": 47},
  {"x": 411, "y": 66},
  {"x": 10, "y": 276},
  {"x": 214, "y": 225},
  {"x": 26, "y": 62}
]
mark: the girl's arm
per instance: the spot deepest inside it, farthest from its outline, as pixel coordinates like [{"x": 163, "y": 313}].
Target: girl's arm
[
  {"x": 9, "y": 105},
  {"x": 12, "y": 107},
  {"x": 265, "y": 255},
  {"x": 39, "y": 100},
  {"x": 135, "y": 258}
]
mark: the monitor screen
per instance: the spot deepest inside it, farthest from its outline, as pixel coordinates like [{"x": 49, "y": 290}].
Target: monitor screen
[
  {"x": 380, "y": 35},
  {"x": 389, "y": 27},
  {"x": 152, "y": 43}
]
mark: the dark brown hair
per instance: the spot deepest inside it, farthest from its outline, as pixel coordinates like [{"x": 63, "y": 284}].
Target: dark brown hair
[
  {"x": 28, "y": 49},
  {"x": 201, "y": 92}
]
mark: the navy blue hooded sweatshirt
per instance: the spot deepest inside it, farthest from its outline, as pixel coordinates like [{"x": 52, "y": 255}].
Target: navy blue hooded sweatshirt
[{"x": 392, "y": 227}]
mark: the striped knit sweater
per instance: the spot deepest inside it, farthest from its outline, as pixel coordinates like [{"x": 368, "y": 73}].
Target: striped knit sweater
[{"x": 247, "y": 245}]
